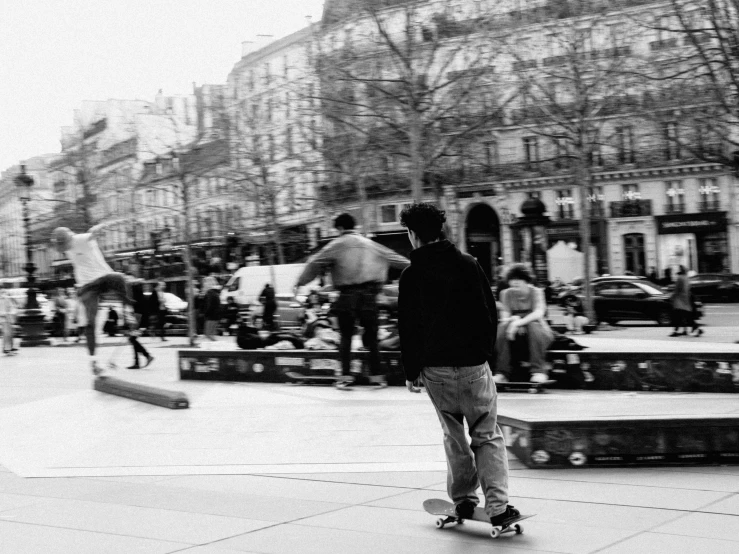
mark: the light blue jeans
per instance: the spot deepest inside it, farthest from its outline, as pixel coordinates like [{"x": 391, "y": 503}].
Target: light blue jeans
[{"x": 468, "y": 393}]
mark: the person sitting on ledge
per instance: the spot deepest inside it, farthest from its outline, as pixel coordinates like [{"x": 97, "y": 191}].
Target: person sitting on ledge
[{"x": 523, "y": 313}]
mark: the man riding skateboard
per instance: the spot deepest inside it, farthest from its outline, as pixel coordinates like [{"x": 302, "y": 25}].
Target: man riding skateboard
[
  {"x": 447, "y": 323},
  {"x": 94, "y": 277},
  {"x": 358, "y": 267}
]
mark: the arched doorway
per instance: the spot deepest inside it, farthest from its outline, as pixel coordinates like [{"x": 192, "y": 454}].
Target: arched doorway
[{"x": 483, "y": 238}]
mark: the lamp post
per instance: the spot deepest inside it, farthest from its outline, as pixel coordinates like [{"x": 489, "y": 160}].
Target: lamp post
[
  {"x": 31, "y": 319},
  {"x": 532, "y": 227}
]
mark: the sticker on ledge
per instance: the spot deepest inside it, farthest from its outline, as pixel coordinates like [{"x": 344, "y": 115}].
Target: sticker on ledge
[
  {"x": 290, "y": 361},
  {"x": 540, "y": 456}
]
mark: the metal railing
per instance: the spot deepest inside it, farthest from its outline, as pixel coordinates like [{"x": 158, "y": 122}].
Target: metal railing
[{"x": 631, "y": 208}]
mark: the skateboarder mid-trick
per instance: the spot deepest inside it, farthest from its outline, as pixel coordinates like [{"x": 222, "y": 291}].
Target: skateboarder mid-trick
[
  {"x": 447, "y": 321},
  {"x": 94, "y": 277}
]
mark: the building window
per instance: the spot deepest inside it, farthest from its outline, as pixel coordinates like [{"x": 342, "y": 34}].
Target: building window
[
  {"x": 672, "y": 141},
  {"x": 562, "y": 152},
  {"x": 387, "y": 214},
  {"x": 709, "y": 195},
  {"x": 491, "y": 153},
  {"x": 530, "y": 150},
  {"x": 630, "y": 192},
  {"x": 565, "y": 204},
  {"x": 625, "y": 144},
  {"x": 634, "y": 255},
  {"x": 675, "y": 197},
  {"x": 595, "y": 201}
]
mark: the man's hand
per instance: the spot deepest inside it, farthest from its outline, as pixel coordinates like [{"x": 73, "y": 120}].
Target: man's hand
[
  {"x": 411, "y": 386},
  {"x": 512, "y": 330}
]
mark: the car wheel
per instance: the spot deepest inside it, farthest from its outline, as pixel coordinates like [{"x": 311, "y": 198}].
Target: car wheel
[{"x": 664, "y": 318}]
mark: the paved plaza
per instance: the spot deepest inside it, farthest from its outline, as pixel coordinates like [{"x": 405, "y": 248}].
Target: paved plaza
[{"x": 277, "y": 468}]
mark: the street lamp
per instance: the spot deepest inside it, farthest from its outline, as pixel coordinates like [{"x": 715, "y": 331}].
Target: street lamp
[
  {"x": 31, "y": 319},
  {"x": 532, "y": 229}
]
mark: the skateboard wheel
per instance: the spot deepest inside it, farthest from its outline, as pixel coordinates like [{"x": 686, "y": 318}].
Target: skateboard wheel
[
  {"x": 495, "y": 533},
  {"x": 440, "y": 523},
  {"x": 518, "y": 528},
  {"x": 532, "y": 390}
]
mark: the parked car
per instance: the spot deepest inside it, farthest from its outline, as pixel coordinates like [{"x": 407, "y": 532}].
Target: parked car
[
  {"x": 715, "y": 287},
  {"x": 626, "y": 298},
  {"x": 576, "y": 285}
]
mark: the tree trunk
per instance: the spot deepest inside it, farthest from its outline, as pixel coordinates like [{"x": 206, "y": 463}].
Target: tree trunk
[
  {"x": 416, "y": 145},
  {"x": 191, "y": 322},
  {"x": 363, "y": 205},
  {"x": 584, "y": 178}
]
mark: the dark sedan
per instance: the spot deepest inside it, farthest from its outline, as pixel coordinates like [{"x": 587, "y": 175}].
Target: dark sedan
[
  {"x": 718, "y": 287},
  {"x": 621, "y": 299}
]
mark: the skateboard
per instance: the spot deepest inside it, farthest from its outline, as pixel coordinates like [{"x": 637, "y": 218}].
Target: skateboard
[
  {"x": 301, "y": 379},
  {"x": 439, "y": 507},
  {"x": 521, "y": 386}
]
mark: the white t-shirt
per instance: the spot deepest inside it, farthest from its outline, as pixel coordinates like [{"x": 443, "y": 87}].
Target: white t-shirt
[{"x": 87, "y": 259}]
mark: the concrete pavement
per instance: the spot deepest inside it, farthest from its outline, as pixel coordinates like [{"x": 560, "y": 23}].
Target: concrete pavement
[{"x": 279, "y": 468}]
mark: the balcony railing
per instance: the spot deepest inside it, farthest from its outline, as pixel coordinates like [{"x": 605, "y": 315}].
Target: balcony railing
[
  {"x": 709, "y": 206},
  {"x": 674, "y": 208},
  {"x": 631, "y": 208}
]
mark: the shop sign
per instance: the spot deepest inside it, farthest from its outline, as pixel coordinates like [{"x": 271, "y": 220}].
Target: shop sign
[{"x": 691, "y": 223}]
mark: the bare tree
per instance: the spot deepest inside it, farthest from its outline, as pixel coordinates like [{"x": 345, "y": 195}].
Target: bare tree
[
  {"x": 568, "y": 102},
  {"x": 271, "y": 144},
  {"x": 407, "y": 88},
  {"x": 692, "y": 79}
]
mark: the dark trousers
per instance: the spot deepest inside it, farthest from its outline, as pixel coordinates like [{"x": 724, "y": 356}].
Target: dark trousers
[
  {"x": 268, "y": 315},
  {"x": 160, "y": 317},
  {"x": 137, "y": 349},
  {"x": 358, "y": 302}
]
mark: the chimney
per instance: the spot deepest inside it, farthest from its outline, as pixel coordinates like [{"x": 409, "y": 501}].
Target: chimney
[
  {"x": 264, "y": 40},
  {"x": 247, "y": 47}
]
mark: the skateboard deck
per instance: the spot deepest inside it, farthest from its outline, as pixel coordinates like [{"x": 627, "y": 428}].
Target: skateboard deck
[
  {"x": 302, "y": 379},
  {"x": 439, "y": 507},
  {"x": 521, "y": 386}
]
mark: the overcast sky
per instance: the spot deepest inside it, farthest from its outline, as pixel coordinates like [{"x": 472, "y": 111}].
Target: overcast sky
[{"x": 56, "y": 53}]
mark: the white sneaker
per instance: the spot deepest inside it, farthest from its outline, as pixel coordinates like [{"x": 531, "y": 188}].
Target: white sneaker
[
  {"x": 500, "y": 378},
  {"x": 97, "y": 369},
  {"x": 539, "y": 378}
]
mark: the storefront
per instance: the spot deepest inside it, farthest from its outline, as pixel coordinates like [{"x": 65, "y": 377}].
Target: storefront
[{"x": 696, "y": 241}]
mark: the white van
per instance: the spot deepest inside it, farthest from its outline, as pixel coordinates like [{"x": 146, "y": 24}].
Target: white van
[{"x": 247, "y": 283}]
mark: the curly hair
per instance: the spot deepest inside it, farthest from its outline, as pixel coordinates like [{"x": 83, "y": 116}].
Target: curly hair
[
  {"x": 519, "y": 271},
  {"x": 424, "y": 219},
  {"x": 345, "y": 221}
]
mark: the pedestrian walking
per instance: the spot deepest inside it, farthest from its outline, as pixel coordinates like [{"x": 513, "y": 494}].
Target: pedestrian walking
[
  {"x": 61, "y": 313},
  {"x": 95, "y": 278},
  {"x": 447, "y": 323},
  {"x": 158, "y": 308},
  {"x": 211, "y": 307},
  {"x": 8, "y": 313},
  {"x": 358, "y": 268},
  {"x": 269, "y": 307},
  {"x": 72, "y": 307},
  {"x": 133, "y": 337},
  {"x": 683, "y": 306}
]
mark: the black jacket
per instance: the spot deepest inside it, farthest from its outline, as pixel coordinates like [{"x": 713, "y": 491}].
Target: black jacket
[{"x": 447, "y": 313}]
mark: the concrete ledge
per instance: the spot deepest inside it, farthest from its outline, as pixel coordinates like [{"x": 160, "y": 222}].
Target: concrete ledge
[
  {"x": 623, "y": 430},
  {"x": 646, "y": 371},
  {"x": 271, "y": 366},
  {"x": 174, "y": 400}
]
